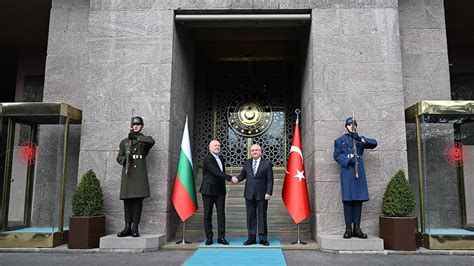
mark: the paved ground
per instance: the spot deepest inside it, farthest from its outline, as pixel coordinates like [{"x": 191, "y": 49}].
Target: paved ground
[
  {"x": 327, "y": 258},
  {"x": 178, "y": 257}
]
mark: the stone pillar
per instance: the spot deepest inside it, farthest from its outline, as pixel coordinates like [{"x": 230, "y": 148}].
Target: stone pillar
[
  {"x": 130, "y": 47},
  {"x": 424, "y": 51},
  {"x": 65, "y": 76},
  {"x": 356, "y": 68},
  {"x": 67, "y": 59},
  {"x": 306, "y": 122},
  {"x": 426, "y": 77},
  {"x": 182, "y": 104},
  {"x": 108, "y": 58}
]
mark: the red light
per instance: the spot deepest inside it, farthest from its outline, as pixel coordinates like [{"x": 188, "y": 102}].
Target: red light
[
  {"x": 27, "y": 153},
  {"x": 453, "y": 154}
]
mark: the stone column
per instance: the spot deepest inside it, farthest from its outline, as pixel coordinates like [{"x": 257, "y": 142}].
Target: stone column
[
  {"x": 356, "y": 68},
  {"x": 424, "y": 51}
]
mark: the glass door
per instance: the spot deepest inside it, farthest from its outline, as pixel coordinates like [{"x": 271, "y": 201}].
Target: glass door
[{"x": 18, "y": 174}]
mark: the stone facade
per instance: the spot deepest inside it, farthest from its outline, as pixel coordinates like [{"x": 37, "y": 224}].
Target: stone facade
[{"x": 370, "y": 57}]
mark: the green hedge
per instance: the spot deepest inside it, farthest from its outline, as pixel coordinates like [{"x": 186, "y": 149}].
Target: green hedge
[
  {"x": 88, "y": 199},
  {"x": 398, "y": 200}
]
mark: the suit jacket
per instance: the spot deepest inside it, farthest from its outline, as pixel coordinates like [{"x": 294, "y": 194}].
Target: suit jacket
[
  {"x": 213, "y": 179},
  {"x": 261, "y": 183}
]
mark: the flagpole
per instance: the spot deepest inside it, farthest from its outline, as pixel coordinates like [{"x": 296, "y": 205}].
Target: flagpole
[
  {"x": 298, "y": 241},
  {"x": 297, "y": 204},
  {"x": 183, "y": 242}
]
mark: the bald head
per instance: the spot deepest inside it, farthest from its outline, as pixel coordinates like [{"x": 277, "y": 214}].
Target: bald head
[
  {"x": 255, "y": 151},
  {"x": 215, "y": 147}
]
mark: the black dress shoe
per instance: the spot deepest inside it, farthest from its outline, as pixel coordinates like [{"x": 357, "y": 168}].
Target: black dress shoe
[
  {"x": 127, "y": 231},
  {"x": 249, "y": 242},
  {"x": 209, "y": 242},
  {"x": 135, "y": 232},
  {"x": 264, "y": 242},
  {"x": 357, "y": 232},
  {"x": 348, "y": 232},
  {"x": 222, "y": 241}
]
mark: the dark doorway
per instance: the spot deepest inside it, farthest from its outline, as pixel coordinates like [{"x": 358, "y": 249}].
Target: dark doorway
[
  {"x": 460, "y": 28},
  {"x": 24, "y": 35}
]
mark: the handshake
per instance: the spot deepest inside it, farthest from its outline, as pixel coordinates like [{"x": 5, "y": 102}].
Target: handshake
[{"x": 234, "y": 180}]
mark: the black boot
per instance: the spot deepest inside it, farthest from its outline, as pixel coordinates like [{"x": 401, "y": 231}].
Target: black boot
[
  {"x": 348, "y": 233},
  {"x": 125, "y": 232},
  {"x": 357, "y": 232},
  {"x": 135, "y": 232}
]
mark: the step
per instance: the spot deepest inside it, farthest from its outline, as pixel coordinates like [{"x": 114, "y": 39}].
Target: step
[
  {"x": 240, "y": 194},
  {"x": 240, "y": 201},
  {"x": 237, "y": 231},
  {"x": 146, "y": 242},
  {"x": 239, "y": 210},
  {"x": 336, "y": 242},
  {"x": 277, "y": 186},
  {"x": 237, "y": 242},
  {"x": 243, "y": 219},
  {"x": 287, "y": 235},
  {"x": 237, "y": 226},
  {"x": 286, "y": 244}
]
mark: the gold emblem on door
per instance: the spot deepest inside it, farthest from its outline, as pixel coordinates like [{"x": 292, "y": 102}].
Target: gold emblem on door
[{"x": 250, "y": 115}]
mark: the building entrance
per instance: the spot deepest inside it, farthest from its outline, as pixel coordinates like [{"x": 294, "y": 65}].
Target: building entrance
[{"x": 246, "y": 80}]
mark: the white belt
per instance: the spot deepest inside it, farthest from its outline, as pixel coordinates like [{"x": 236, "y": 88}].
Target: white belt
[{"x": 349, "y": 156}]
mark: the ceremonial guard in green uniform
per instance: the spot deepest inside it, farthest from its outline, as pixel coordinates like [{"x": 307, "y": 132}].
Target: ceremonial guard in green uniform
[
  {"x": 348, "y": 151},
  {"x": 134, "y": 184}
]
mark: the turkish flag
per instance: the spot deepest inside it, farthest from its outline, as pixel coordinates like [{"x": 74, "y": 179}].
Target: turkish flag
[{"x": 295, "y": 192}]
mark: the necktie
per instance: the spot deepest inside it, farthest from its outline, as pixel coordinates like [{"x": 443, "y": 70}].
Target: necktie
[
  {"x": 219, "y": 162},
  {"x": 254, "y": 167}
]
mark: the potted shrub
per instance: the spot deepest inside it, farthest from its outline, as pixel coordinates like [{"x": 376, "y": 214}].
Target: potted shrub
[
  {"x": 87, "y": 225},
  {"x": 397, "y": 227}
]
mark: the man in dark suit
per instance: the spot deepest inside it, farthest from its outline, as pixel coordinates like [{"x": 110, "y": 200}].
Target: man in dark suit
[
  {"x": 258, "y": 173},
  {"x": 213, "y": 191}
]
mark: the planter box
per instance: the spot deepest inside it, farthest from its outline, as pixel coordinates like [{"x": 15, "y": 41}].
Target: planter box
[
  {"x": 85, "y": 232},
  {"x": 399, "y": 233}
]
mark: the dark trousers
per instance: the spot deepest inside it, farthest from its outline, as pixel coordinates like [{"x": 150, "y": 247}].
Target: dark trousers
[
  {"x": 257, "y": 210},
  {"x": 352, "y": 211},
  {"x": 133, "y": 210},
  {"x": 208, "y": 203}
]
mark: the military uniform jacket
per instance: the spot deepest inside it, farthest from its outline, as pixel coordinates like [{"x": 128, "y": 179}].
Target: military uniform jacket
[
  {"x": 352, "y": 188},
  {"x": 213, "y": 179},
  {"x": 260, "y": 184},
  {"x": 135, "y": 184}
]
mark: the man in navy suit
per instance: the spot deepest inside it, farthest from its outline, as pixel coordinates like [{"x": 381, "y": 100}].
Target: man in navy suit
[
  {"x": 258, "y": 173},
  {"x": 213, "y": 192}
]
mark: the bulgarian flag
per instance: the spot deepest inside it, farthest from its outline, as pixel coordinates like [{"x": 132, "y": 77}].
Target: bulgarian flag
[
  {"x": 184, "y": 191},
  {"x": 295, "y": 192}
]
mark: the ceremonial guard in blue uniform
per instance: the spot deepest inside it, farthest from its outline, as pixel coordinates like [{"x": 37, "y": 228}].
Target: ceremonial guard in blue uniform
[{"x": 348, "y": 151}]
